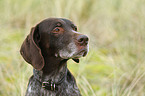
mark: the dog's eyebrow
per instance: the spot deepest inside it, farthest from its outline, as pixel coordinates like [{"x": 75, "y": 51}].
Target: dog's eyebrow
[{"x": 58, "y": 24}]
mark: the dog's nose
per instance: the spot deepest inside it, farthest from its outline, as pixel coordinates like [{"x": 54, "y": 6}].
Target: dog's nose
[{"x": 82, "y": 39}]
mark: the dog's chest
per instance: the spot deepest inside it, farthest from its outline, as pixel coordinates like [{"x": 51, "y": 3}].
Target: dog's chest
[{"x": 65, "y": 89}]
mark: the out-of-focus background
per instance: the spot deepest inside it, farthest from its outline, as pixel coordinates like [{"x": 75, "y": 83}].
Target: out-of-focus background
[{"x": 115, "y": 65}]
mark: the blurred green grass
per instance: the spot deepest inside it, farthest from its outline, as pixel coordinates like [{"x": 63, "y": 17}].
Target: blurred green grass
[{"x": 115, "y": 65}]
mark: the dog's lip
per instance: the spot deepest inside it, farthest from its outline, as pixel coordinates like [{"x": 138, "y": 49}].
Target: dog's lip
[
  {"x": 82, "y": 52},
  {"x": 85, "y": 53}
]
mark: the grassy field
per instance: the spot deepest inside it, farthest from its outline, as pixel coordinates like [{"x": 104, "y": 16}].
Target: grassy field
[{"x": 115, "y": 65}]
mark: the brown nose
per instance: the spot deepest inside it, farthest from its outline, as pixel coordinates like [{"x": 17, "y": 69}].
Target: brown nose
[{"x": 82, "y": 39}]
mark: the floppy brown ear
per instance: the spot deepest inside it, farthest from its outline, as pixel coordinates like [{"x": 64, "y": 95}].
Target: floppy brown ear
[{"x": 30, "y": 50}]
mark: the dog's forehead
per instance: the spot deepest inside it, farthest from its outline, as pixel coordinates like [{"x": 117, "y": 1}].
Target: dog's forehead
[
  {"x": 67, "y": 21},
  {"x": 52, "y": 21},
  {"x": 49, "y": 24}
]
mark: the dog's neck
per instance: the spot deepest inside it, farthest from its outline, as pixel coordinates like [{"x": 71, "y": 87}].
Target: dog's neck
[
  {"x": 55, "y": 76},
  {"x": 53, "y": 64},
  {"x": 53, "y": 70},
  {"x": 54, "y": 67}
]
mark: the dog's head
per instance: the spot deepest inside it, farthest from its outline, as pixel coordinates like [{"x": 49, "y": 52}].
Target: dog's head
[{"x": 56, "y": 37}]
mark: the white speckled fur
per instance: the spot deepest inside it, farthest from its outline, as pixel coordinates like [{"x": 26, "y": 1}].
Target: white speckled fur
[
  {"x": 67, "y": 88},
  {"x": 69, "y": 51}
]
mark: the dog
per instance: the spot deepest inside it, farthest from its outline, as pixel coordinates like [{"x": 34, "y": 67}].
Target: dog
[{"x": 48, "y": 47}]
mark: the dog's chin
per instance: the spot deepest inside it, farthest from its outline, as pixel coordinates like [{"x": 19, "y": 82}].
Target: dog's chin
[
  {"x": 75, "y": 55},
  {"x": 70, "y": 57},
  {"x": 79, "y": 55}
]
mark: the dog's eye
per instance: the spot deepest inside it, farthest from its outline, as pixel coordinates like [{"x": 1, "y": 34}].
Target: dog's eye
[
  {"x": 75, "y": 28},
  {"x": 57, "y": 29}
]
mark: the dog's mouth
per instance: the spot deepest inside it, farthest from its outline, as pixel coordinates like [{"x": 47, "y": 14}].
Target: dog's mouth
[
  {"x": 75, "y": 55},
  {"x": 73, "y": 52},
  {"x": 81, "y": 53}
]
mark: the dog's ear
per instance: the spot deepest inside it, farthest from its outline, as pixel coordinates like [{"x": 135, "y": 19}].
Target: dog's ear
[
  {"x": 31, "y": 51},
  {"x": 76, "y": 60}
]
